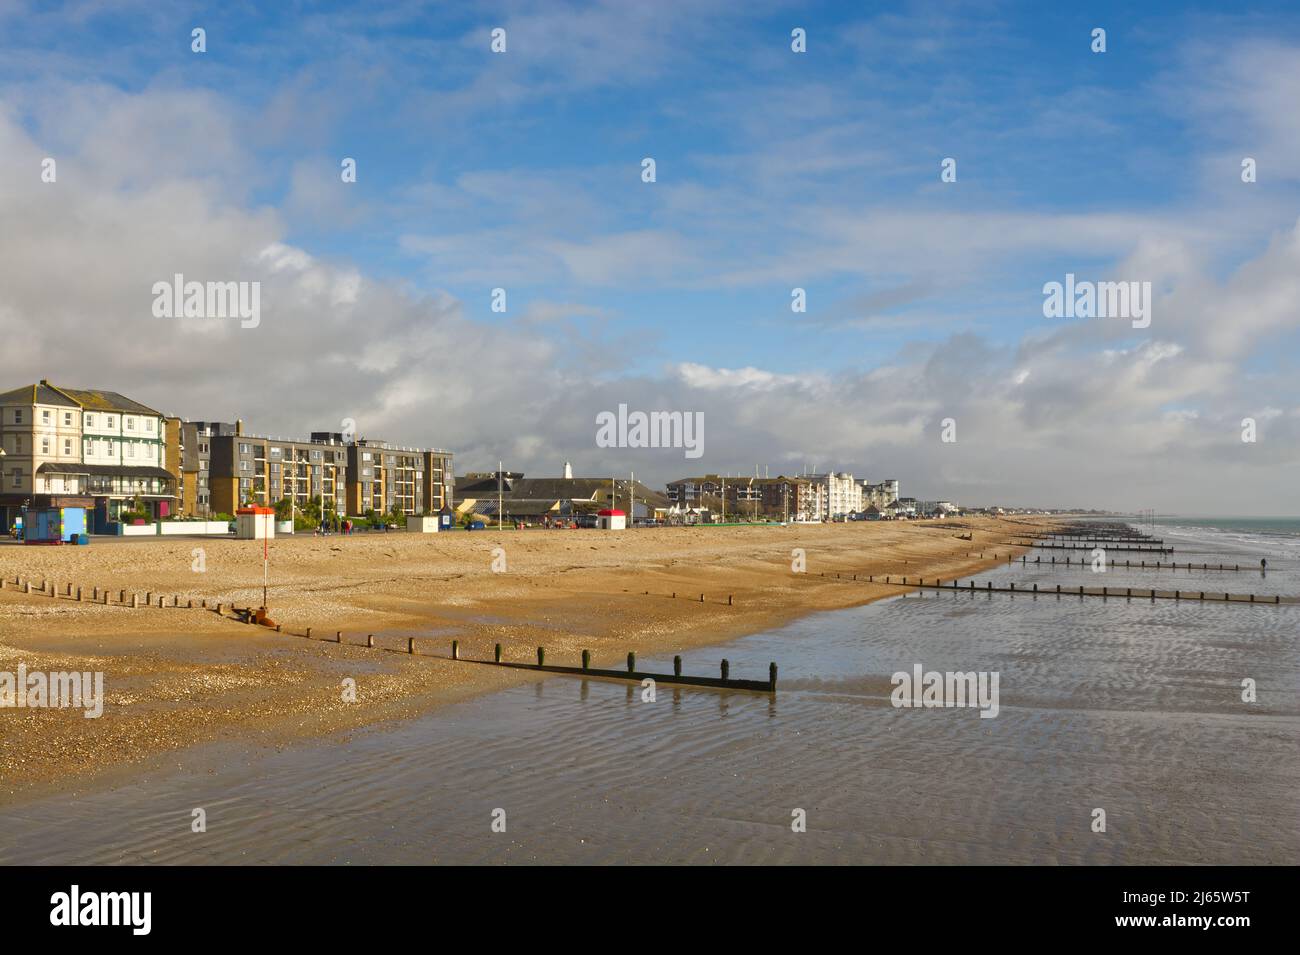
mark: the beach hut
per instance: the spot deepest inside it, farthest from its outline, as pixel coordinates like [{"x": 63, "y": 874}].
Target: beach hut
[
  {"x": 609, "y": 519},
  {"x": 55, "y": 525},
  {"x": 254, "y": 523}
]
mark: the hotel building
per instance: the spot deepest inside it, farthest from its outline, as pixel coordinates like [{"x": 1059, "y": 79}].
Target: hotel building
[{"x": 72, "y": 447}]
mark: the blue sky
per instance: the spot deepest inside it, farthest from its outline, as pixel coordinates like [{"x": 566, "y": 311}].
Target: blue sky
[{"x": 775, "y": 170}]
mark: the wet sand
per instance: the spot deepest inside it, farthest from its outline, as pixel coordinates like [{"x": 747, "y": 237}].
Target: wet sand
[{"x": 178, "y": 677}]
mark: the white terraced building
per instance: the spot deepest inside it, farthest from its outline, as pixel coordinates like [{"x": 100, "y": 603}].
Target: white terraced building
[
  {"x": 838, "y": 494},
  {"x": 70, "y": 447}
]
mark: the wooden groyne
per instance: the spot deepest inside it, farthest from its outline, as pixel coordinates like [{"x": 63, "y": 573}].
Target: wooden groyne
[
  {"x": 257, "y": 616},
  {"x": 722, "y": 682},
  {"x": 1121, "y": 593},
  {"x": 1130, "y": 565},
  {"x": 1126, "y": 548}
]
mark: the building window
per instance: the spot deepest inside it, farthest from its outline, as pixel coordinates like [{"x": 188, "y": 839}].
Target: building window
[
  {"x": 45, "y": 416},
  {"x": 130, "y": 450},
  {"x": 130, "y": 423},
  {"x": 148, "y": 424},
  {"x": 245, "y": 449},
  {"x": 90, "y": 421},
  {"x": 67, "y": 446},
  {"x": 245, "y": 466},
  {"x": 45, "y": 445},
  {"x": 110, "y": 421},
  {"x": 18, "y": 416},
  {"x": 18, "y": 444}
]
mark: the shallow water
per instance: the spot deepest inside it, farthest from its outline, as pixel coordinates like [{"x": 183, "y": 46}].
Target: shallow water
[{"x": 1131, "y": 707}]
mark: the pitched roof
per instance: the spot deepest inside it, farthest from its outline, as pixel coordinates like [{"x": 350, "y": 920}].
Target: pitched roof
[
  {"x": 38, "y": 394},
  {"x": 96, "y": 399}
]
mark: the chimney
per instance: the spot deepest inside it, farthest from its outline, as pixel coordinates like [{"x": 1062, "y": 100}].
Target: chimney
[{"x": 239, "y": 426}]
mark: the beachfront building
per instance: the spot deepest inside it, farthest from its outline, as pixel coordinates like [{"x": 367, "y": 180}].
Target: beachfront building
[
  {"x": 553, "y": 500},
  {"x": 692, "y": 492},
  {"x": 880, "y": 495},
  {"x": 840, "y": 494},
  {"x": 73, "y": 447},
  {"x": 255, "y": 470},
  {"x": 224, "y": 468},
  {"x": 195, "y": 477},
  {"x": 752, "y": 498}
]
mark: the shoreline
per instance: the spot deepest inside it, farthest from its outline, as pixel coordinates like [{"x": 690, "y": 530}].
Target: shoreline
[{"x": 179, "y": 678}]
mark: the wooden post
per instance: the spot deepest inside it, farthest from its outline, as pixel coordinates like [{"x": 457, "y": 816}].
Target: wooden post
[
  {"x": 729, "y": 599},
  {"x": 135, "y": 602},
  {"x": 631, "y": 662},
  {"x": 338, "y": 636},
  {"x": 410, "y": 644},
  {"x": 370, "y": 640},
  {"x": 541, "y": 656},
  {"x": 586, "y": 659},
  {"x": 771, "y": 677},
  {"x": 455, "y": 649},
  {"x": 80, "y": 598},
  {"x": 726, "y": 669},
  {"x": 497, "y": 653},
  {"x": 677, "y": 666},
  {"x": 122, "y": 597},
  {"x": 309, "y": 633}
]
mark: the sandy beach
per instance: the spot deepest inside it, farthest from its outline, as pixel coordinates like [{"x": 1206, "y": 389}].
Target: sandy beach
[{"x": 177, "y": 677}]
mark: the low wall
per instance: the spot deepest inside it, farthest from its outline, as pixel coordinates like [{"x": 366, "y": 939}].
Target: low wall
[
  {"x": 169, "y": 528},
  {"x": 193, "y": 527}
]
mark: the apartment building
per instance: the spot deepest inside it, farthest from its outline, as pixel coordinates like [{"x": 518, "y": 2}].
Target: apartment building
[
  {"x": 880, "y": 495},
  {"x": 692, "y": 491},
  {"x": 229, "y": 469},
  {"x": 243, "y": 469},
  {"x": 840, "y": 494},
  {"x": 780, "y": 498},
  {"x": 72, "y": 447}
]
